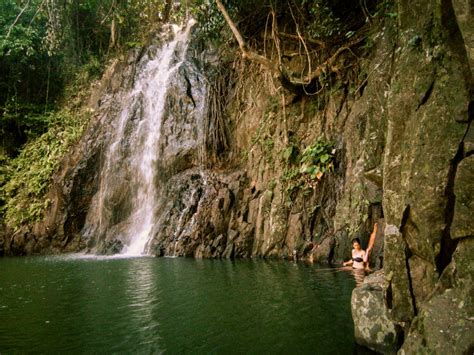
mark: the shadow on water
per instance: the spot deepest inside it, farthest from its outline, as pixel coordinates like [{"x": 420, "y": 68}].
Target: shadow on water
[{"x": 173, "y": 306}]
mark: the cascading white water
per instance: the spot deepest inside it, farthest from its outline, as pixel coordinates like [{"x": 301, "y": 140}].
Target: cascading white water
[{"x": 134, "y": 145}]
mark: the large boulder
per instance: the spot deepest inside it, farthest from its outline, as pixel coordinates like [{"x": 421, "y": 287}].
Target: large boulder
[{"x": 372, "y": 326}]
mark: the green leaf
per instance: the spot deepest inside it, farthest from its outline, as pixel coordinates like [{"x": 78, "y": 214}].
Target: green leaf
[{"x": 324, "y": 158}]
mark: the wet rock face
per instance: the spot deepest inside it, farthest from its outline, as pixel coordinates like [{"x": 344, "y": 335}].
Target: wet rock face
[
  {"x": 181, "y": 128},
  {"x": 196, "y": 213},
  {"x": 179, "y": 202}
]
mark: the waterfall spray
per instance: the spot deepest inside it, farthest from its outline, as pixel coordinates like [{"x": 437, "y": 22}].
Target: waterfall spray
[{"x": 130, "y": 159}]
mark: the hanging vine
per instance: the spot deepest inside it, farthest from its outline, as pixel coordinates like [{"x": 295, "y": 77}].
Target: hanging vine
[{"x": 215, "y": 129}]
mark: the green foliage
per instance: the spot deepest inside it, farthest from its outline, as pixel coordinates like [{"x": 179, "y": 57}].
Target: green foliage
[
  {"x": 23, "y": 39},
  {"x": 45, "y": 44},
  {"x": 321, "y": 19},
  {"x": 291, "y": 181},
  {"x": 210, "y": 19},
  {"x": 324, "y": 22},
  {"x": 23, "y": 56},
  {"x": 317, "y": 159},
  {"x": 250, "y": 16},
  {"x": 29, "y": 118},
  {"x": 26, "y": 178},
  {"x": 304, "y": 170},
  {"x": 5, "y": 173},
  {"x": 332, "y": 21}
]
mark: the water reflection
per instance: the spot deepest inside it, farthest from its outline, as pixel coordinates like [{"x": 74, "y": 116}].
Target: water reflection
[
  {"x": 143, "y": 295},
  {"x": 149, "y": 305},
  {"x": 359, "y": 275}
]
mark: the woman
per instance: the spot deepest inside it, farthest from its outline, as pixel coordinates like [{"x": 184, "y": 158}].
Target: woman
[{"x": 358, "y": 256}]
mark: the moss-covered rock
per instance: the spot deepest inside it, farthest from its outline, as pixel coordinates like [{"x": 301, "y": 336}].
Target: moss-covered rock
[
  {"x": 444, "y": 323},
  {"x": 373, "y": 326},
  {"x": 463, "y": 222}
]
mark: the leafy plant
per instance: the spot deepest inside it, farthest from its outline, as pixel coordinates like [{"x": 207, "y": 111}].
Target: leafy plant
[
  {"x": 28, "y": 176},
  {"x": 304, "y": 170},
  {"x": 210, "y": 19},
  {"x": 324, "y": 21},
  {"x": 317, "y": 159}
]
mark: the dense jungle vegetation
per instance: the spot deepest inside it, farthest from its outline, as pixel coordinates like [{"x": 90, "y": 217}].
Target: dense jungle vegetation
[{"x": 51, "y": 51}]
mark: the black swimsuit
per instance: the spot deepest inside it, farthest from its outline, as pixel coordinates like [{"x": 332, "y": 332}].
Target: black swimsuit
[{"x": 358, "y": 259}]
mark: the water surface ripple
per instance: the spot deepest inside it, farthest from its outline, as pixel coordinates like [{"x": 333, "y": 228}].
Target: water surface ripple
[{"x": 165, "y": 305}]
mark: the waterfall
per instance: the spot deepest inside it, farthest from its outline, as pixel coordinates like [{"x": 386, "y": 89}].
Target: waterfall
[{"x": 125, "y": 205}]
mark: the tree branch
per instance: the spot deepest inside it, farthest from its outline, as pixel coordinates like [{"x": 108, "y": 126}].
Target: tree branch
[
  {"x": 246, "y": 54},
  {"x": 298, "y": 38},
  {"x": 296, "y": 86},
  {"x": 328, "y": 65},
  {"x": 17, "y": 18}
]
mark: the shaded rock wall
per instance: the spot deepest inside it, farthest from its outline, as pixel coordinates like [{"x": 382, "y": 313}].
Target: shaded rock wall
[
  {"x": 425, "y": 165},
  {"x": 428, "y": 118}
]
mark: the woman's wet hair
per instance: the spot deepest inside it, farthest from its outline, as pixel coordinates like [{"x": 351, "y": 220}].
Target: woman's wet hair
[{"x": 355, "y": 240}]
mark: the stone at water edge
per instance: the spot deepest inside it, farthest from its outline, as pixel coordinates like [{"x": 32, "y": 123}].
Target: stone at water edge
[
  {"x": 322, "y": 251},
  {"x": 372, "y": 325}
]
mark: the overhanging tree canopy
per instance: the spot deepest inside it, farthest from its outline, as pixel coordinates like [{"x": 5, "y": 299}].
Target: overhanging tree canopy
[{"x": 296, "y": 84}]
